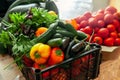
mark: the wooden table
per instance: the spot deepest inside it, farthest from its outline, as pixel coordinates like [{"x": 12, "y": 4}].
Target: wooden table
[{"x": 110, "y": 67}]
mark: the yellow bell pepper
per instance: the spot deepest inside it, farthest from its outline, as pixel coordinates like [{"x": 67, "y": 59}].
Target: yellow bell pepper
[{"x": 40, "y": 53}]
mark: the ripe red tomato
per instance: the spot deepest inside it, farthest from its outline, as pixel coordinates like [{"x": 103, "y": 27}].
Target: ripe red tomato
[
  {"x": 103, "y": 32},
  {"x": 101, "y": 23},
  {"x": 92, "y": 22},
  {"x": 109, "y": 41},
  {"x": 98, "y": 40},
  {"x": 108, "y": 18},
  {"x": 111, "y": 9},
  {"x": 99, "y": 16},
  {"x": 96, "y": 29},
  {"x": 88, "y": 30},
  {"x": 87, "y": 14},
  {"x": 117, "y": 15},
  {"x": 116, "y": 23},
  {"x": 111, "y": 27},
  {"x": 119, "y": 35},
  {"x": 82, "y": 29},
  {"x": 100, "y": 11},
  {"x": 83, "y": 23},
  {"x": 114, "y": 34},
  {"x": 118, "y": 29},
  {"x": 117, "y": 42}
]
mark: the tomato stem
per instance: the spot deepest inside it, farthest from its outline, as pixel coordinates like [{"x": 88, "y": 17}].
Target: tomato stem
[{"x": 91, "y": 36}]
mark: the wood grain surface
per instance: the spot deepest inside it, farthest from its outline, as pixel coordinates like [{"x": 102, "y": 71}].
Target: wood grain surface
[{"x": 110, "y": 67}]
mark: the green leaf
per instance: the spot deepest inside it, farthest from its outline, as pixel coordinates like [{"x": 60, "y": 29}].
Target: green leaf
[{"x": 5, "y": 38}]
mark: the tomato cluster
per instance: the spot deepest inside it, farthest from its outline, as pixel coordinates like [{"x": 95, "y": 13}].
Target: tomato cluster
[{"x": 102, "y": 26}]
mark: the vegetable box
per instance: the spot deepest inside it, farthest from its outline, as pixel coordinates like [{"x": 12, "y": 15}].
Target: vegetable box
[
  {"x": 84, "y": 66},
  {"x": 48, "y": 48}
]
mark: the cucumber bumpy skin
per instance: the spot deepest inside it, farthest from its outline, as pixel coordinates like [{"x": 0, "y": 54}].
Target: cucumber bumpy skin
[
  {"x": 67, "y": 27},
  {"x": 66, "y": 33},
  {"x": 43, "y": 38},
  {"x": 56, "y": 42}
]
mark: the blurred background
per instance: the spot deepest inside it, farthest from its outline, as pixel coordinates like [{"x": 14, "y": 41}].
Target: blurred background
[
  {"x": 4, "y": 4},
  {"x": 67, "y": 8}
]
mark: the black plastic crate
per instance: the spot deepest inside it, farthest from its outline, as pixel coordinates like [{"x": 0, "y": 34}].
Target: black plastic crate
[{"x": 84, "y": 66}]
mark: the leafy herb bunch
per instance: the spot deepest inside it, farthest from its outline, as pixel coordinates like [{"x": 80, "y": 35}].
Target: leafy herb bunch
[{"x": 19, "y": 31}]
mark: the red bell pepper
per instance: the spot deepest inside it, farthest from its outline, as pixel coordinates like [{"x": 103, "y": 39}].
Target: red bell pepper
[{"x": 56, "y": 56}]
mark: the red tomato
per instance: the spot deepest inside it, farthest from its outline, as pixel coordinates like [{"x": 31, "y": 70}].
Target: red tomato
[
  {"x": 101, "y": 23},
  {"x": 118, "y": 29},
  {"x": 87, "y": 14},
  {"x": 99, "y": 16},
  {"x": 116, "y": 23},
  {"x": 92, "y": 22},
  {"x": 98, "y": 40},
  {"x": 100, "y": 11},
  {"x": 96, "y": 29},
  {"x": 88, "y": 30},
  {"x": 111, "y": 27},
  {"x": 109, "y": 41},
  {"x": 82, "y": 29},
  {"x": 103, "y": 32},
  {"x": 108, "y": 18},
  {"x": 80, "y": 18},
  {"x": 117, "y": 42},
  {"x": 117, "y": 15},
  {"x": 119, "y": 35},
  {"x": 114, "y": 34},
  {"x": 111, "y": 9},
  {"x": 95, "y": 35},
  {"x": 83, "y": 23}
]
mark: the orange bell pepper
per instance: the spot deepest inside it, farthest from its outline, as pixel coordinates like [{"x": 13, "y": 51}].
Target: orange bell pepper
[
  {"x": 73, "y": 23},
  {"x": 56, "y": 56},
  {"x": 40, "y": 53},
  {"x": 40, "y": 31}
]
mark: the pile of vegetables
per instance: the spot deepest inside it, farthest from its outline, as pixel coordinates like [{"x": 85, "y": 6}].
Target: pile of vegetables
[
  {"x": 18, "y": 33},
  {"x": 38, "y": 37}
]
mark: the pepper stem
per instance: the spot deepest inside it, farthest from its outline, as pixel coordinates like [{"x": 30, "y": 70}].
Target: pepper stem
[
  {"x": 58, "y": 52},
  {"x": 37, "y": 55}
]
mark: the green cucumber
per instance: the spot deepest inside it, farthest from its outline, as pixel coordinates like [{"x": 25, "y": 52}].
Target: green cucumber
[
  {"x": 81, "y": 35},
  {"x": 43, "y": 38},
  {"x": 56, "y": 42},
  {"x": 65, "y": 33},
  {"x": 57, "y": 35},
  {"x": 70, "y": 28},
  {"x": 67, "y": 27}
]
